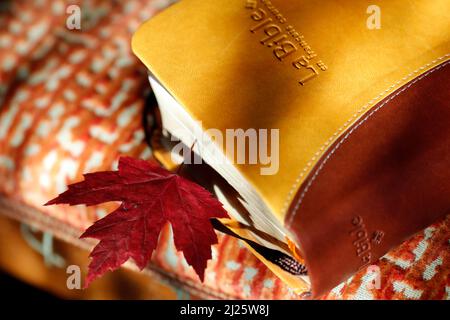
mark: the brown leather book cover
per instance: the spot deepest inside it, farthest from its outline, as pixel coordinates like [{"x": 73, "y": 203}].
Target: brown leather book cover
[{"x": 363, "y": 113}]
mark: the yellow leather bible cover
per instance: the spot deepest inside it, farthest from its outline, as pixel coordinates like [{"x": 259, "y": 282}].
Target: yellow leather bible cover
[{"x": 313, "y": 70}]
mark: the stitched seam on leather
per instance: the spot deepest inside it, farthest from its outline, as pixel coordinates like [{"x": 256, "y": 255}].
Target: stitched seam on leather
[
  {"x": 342, "y": 128},
  {"x": 347, "y": 135}
]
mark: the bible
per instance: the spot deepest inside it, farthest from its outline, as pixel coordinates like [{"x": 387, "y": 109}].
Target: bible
[{"x": 326, "y": 138}]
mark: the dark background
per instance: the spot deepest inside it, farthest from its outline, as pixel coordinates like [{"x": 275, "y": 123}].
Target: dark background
[{"x": 12, "y": 288}]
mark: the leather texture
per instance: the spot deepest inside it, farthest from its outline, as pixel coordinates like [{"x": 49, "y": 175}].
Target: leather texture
[
  {"x": 231, "y": 54},
  {"x": 383, "y": 180},
  {"x": 210, "y": 52},
  {"x": 68, "y": 137},
  {"x": 76, "y": 108}
]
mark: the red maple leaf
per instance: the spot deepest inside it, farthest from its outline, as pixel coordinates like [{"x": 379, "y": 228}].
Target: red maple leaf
[{"x": 151, "y": 197}]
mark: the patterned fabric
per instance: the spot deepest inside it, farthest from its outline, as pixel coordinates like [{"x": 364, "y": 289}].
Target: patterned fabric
[
  {"x": 72, "y": 102},
  {"x": 417, "y": 269}
]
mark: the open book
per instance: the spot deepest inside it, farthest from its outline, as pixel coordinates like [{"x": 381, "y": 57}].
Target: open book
[{"x": 320, "y": 120}]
